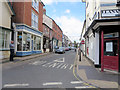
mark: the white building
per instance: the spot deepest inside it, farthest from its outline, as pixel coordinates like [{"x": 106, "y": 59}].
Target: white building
[
  {"x": 102, "y": 33},
  {"x": 6, "y": 12}
]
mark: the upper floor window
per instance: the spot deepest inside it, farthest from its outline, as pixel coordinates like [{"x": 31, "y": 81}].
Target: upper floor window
[
  {"x": 35, "y": 5},
  {"x": 34, "y": 20}
]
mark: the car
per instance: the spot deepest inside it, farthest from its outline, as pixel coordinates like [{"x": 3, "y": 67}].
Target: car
[
  {"x": 72, "y": 48},
  {"x": 69, "y": 48},
  {"x": 60, "y": 50},
  {"x": 66, "y": 49}
]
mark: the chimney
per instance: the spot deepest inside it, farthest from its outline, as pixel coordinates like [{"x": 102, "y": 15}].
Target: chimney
[{"x": 44, "y": 11}]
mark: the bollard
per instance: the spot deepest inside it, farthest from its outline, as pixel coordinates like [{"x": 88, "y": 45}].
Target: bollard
[{"x": 79, "y": 55}]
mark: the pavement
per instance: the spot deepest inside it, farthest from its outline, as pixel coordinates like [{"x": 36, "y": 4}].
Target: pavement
[
  {"x": 17, "y": 59},
  {"x": 87, "y": 72}
]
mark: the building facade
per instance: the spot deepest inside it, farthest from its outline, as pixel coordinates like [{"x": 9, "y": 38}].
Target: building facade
[
  {"x": 66, "y": 41},
  {"x": 6, "y": 12},
  {"x": 102, "y": 35},
  {"x": 56, "y": 35},
  {"x": 47, "y": 33},
  {"x": 28, "y": 27}
]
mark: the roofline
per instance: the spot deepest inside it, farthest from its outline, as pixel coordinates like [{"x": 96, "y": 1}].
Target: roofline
[
  {"x": 8, "y": 2},
  {"x": 100, "y": 20}
]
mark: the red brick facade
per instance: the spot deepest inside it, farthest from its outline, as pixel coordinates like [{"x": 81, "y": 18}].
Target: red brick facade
[
  {"x": 57, "y": 32},
  {"x": 23, "y": 13}
]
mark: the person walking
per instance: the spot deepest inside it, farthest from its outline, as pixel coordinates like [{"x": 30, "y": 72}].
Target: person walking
[{"x": 12, "y": 47}]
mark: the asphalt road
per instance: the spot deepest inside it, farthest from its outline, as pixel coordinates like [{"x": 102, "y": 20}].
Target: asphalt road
[{"x": 53, "y": 71}]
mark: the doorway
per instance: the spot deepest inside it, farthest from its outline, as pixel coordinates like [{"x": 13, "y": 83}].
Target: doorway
[{"x": 111, "y": 54}]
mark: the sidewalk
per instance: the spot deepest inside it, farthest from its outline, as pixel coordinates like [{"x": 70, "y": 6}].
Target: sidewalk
[
  {"x": 87, "y": 72},
  {"x": 17, "y": 59}
]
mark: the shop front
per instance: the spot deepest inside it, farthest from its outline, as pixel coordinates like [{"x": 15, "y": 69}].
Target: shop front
[
  {"x": 27, "y": 41},
  {"x": 109, "y": 43}
]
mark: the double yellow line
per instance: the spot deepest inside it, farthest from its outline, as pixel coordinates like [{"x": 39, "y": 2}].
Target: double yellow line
[{"x": 77, "y": 77}]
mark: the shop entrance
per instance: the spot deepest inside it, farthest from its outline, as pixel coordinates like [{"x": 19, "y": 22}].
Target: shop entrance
[{"x": 111, "y": 54}]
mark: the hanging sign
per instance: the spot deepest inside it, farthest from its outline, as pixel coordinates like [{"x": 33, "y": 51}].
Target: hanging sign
[{"x": 111, "y": 13}]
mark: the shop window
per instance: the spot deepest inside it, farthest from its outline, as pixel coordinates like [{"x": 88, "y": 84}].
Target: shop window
[
  {"x": 34, "y": 20},
  {"x": 4, "y": 39},
  {"x": 26, "y": 41},
  {"x": 38, "y": 43},
  {"x": 34, "y": 45},
  {"x": 19, "y": 41}
]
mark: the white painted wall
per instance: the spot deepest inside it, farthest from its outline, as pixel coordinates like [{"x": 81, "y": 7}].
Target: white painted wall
[{"x": 5, "y": 13}]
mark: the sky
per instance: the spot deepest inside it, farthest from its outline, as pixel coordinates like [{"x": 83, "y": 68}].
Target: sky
[{"x": 68, "y": 14}]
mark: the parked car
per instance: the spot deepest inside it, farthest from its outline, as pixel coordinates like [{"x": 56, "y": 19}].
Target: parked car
[
  {"x": 69, "y": 48},
  {"x": 66, "y": 49},
  {"x": 72, "y": 48},
  {"x": 60, "y": 50}
]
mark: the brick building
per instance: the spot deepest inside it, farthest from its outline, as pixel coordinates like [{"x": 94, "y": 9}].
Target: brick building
[
  {"x": 47, "y": 33},
  {"x": 57, "y": 35},
  {"x": 28, "y": 27}
]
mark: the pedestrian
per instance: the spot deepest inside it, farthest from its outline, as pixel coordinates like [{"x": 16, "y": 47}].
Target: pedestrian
[
  {"x": 12, "y": 47},
  {"x": 44, "y": 48}
]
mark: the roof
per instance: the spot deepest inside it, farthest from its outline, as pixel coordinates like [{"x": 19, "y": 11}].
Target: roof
[
  {"x": 101, "y": 21},
  {"x": 9, "y": 4}
]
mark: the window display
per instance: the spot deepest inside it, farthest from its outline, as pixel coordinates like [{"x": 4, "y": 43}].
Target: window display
[
  {"x": 26, "y": 41},
  {"x": 19, "y": 41},
  {"x": 38, "y": 43}
]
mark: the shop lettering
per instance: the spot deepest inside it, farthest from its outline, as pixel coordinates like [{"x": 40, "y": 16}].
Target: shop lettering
[{"x": 108, "y": 13}]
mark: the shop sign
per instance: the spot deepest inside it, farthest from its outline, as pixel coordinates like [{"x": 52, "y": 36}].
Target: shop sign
[{"x": 111, "y": 13}]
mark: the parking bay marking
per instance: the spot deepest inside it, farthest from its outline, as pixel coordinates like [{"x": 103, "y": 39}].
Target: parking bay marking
[
  {"x": 52, "y": 83},
  {"x": 16, "y": 85},
  {"x": 76, "y": 82},
  {"x": 78, "y": 87}
]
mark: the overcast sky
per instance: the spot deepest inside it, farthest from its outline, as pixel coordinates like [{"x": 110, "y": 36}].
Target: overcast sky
[{"x": 68, "y": 14}]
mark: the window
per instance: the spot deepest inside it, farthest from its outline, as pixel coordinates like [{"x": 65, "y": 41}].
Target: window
[
  {"x": 19, "y": 41},
  {"x": 26, "y": 41},
  {"x": 34, "y": 20},
  {"x": 4, "y": 39},
  {"x": 37, "y": 43},
  {"x": 35, "y": 5}
]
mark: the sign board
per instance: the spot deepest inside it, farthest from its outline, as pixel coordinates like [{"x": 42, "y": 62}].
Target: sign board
[
  {"x": 110, "y": 13},
  {"x": 109, "y": 47}
]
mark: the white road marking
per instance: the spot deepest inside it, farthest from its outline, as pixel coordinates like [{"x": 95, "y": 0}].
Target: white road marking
[
  {"x": 76, "y": 82},
  {"x": 64, "y": 66},
  {"x": 16, "y": 85},
  {"x": 60, "y": 60},
  {"x": 38, "y": 62},
  {"x": 71, "y": 66},
  {"x": 52, "y": 83},
  {"x": 82, "y": 87},
  {"x": 45, "y": 65},
  {"x": 59, "y": 65},
  {"x": 54, "y": 64}
]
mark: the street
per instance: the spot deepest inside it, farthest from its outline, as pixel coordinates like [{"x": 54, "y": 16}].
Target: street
[{"x": 53, "y": 71}]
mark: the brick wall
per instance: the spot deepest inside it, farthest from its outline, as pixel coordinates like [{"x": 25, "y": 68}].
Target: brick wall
[{"x": 23, "y": 13}]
